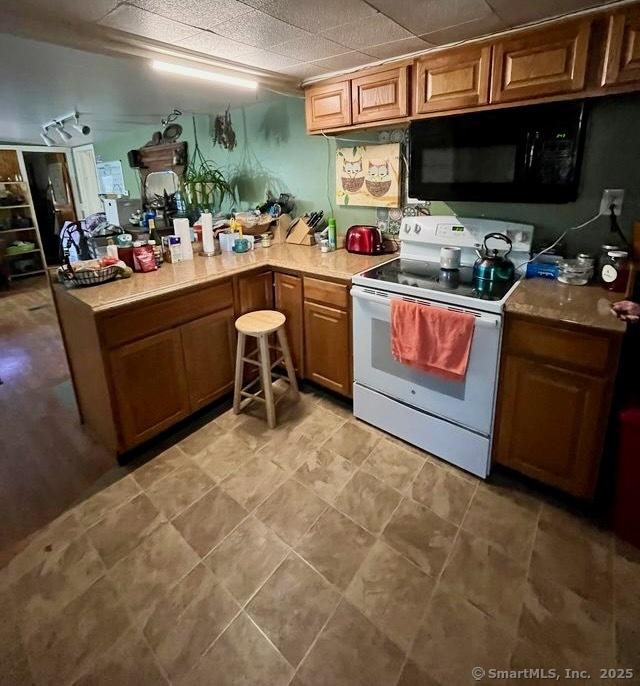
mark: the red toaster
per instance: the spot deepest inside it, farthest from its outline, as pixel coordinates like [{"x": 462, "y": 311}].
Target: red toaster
[{"x": 364, "y": 240}]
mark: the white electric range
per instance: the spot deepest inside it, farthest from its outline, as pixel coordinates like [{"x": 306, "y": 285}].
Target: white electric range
[{"x": 450, "y": 419}]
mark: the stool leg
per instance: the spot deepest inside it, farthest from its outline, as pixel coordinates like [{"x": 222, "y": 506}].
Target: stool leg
[
  {"x": 237, "y": 398},
  {"x": 265, "y": 371},
  {"x": 288, "y": 363}
]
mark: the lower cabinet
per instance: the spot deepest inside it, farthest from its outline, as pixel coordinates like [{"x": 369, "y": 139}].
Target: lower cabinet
[
  {"x": 327, "y": 334},
  {"x": 255, "y": 292},
  {"x": 208, "y": 344},
  {"x": 288, "y": 292},
  {"x": 150, "y": 387},
  {"x": 552, "y": 414}
]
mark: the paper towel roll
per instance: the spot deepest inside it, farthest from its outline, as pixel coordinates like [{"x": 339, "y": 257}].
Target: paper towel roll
[
  {"x": 181, "y": 228},
  {"x": 206, "y": 221}
]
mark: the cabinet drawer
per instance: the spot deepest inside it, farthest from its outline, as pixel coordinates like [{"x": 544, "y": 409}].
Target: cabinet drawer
[
  {"x": 573, "y": 349},
  {"x": 326, "y": 293},
  {"x": 547, "y": 61},
  {"x": 164, "y": 314}
]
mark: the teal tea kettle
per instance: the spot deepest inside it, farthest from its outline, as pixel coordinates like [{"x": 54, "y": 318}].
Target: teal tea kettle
[{"x": 493, "y": 274}]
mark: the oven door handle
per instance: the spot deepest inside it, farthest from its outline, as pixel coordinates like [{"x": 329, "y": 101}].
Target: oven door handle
[{"x": 485, "y": 320}]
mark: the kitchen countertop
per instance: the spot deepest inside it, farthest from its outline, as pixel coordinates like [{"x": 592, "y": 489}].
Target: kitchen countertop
[
  {"x": 170, "y": 278},
  {"x": 582, "y": 305}
]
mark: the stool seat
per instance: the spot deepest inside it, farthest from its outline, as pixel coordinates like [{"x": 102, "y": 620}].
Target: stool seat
[
  {"x": 260, "y": 322},
  {"x": 260, "y": 325}
]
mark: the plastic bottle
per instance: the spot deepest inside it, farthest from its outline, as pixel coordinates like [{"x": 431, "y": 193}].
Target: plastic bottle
[{"x": 332, "y": 234}]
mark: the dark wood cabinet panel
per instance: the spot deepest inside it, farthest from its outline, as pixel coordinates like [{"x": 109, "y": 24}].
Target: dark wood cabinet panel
[
  {"x": 327, "y": 332},
  {"x": 208, "y": 344},
  {"x": 452, "y": 79},
  {"x": 551, "y": 424},
  {"x": 622, "y": 56},
  {"x": 149, "y": 384},
  {"x": 288, "y": 293},
  {"x": 255, "y": 292},
  {"x": 381, "y": 95},
  {"x": 547, "y": 61},
  {"x": 328, "y": 105}
]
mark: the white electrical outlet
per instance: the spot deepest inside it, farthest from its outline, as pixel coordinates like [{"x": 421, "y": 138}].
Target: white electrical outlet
[{"x": 612, "y": 196}]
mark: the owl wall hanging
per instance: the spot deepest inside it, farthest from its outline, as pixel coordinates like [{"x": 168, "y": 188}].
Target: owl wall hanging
[{"x": 368, "y": 175}]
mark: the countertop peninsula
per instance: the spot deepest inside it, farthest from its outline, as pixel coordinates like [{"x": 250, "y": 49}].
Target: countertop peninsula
[
  {"x": 588, "y": 306},
  {"x": 171, "y": 278}
]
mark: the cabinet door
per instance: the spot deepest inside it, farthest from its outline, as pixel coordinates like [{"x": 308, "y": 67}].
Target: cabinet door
[
  {"x": 622, "y": 59},
  {"x": 543, "y": 62},
  {"x": 289, "y": 302},
  {"x": 550, "y": 424},
  {"x": 327, "y": 335},
  {"x": 328, "y": 106},
  {"x": 255, "y": 292},
  {"x": 452, "y": 79},
  {"x": 149, "y": 384},
  {"x": 209, "y": 347},
  {"x": 379, "y": 96}
]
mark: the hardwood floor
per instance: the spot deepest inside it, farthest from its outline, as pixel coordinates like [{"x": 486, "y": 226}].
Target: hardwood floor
[{"x": 47, "y": 461}]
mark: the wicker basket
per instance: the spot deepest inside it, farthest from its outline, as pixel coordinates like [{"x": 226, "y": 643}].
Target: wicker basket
[
  {"x": 254, "y": 225},
  {"x": 67, "y": 273}
]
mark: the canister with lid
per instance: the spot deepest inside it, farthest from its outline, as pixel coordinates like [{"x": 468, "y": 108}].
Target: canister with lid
[{"x": 614, "y": 272}]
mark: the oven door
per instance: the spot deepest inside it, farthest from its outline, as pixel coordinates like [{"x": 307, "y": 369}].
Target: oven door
[{"x": 468, "y": 403}]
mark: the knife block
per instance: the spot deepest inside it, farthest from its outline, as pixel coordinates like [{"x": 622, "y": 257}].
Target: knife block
[{"x": 301, "y": 234}]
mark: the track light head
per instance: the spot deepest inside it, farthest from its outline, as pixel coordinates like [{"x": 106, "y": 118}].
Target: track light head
[
  {"x": 84, "y": 129},
  {"x": 47, "y": 140},
  {"x": 65, "y": 135}
]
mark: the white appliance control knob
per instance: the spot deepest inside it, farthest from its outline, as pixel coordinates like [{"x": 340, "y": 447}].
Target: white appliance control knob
[
  {"x": 417, "y": 228},
  {"x": 407, "y": 228}
]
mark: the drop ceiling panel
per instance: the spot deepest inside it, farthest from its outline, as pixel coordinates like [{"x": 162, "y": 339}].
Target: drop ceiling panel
[
  {"x": 196, "y": 12},
  {"x": 319, "y": 15},
  {"x": 304, "y": 70},
  {"x": 218, "y": 46},
  {"x": 309, "y": 48},
  {"x": 423, "y": 16},
  {"x": 259, "y": 29},
  {"x": 397, "y": 47},
  {"x": 265, "y": 59},
  {"x": 471, "y": 29},
  {"x": 373, "y": 31},
  {"x": 347, "y": 61},
  {"x": 143, "y": 23},
  {"x": 515, "y": 13}
]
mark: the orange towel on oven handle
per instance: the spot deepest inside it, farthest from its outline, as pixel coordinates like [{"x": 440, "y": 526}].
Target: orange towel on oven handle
[{"x": 432, "y": 339}]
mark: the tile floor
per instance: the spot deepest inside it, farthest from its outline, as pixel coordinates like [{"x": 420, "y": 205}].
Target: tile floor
[{"x": 320, "y": 553}]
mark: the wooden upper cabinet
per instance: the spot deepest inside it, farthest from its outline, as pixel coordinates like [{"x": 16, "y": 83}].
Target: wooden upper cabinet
[
  {"x": 380, "y": 95},
  {"x": 452, "y": 79},
  {"x": 547, "y": 61},
  {"x": 622, "y": 56},
  {"x": 328, "y": 105}
]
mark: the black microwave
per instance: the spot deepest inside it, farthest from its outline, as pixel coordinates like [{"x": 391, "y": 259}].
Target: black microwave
[{"x": 523, "y": 154}]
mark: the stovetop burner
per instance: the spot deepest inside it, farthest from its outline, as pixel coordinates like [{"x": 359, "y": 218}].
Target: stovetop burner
[{"x": 430, "y": 276}]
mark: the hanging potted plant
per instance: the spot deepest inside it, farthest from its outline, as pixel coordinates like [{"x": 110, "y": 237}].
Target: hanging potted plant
[{"x": 205, "y": 185}]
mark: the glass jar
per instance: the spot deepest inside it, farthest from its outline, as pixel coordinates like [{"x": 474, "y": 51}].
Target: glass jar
[
  {"x": 602, "y": 257},
  {"x": 614, "y": 272},
  {"x": 574, "y": 273}
]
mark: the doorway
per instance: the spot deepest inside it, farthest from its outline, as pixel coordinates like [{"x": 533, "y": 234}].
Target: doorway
[{"x": 52, "y": 195}]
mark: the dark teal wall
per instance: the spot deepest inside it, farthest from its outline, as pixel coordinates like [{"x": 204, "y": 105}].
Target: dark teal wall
[{"x": 274, "y": 152}]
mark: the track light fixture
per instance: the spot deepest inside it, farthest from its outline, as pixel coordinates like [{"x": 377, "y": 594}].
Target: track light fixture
[
  {"x": 58, "y": 125},
  {"x": 47, "y": 140}
]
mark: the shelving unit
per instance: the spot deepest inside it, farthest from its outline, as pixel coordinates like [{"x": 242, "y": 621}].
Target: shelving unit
[{"x": 13, "y": 179}]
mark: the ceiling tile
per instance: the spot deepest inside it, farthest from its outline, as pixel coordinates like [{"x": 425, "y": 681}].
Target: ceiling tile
[
  {"x": 218, "y": 46},
  {"x": 319, "y": 16},
  {"x": 516, "y": 13},
  {"x": 360, "y": 34},
  {"x": 303, "y": 71},
  {"x": 134, "y": 20},
  {"x": 259, "y": 29},
  {"x": 397, "y": 48},
  {"x": 195, "y": 12},
  {"x": 471, "y": 29},
  {"x": 265, "y": 59},
  {"x": 309, "y": 48},
  {"x": 347, "y": 61}
]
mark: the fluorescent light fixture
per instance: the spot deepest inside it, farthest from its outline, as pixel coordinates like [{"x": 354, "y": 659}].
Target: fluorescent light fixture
[
  {"x": 47, "y": 140},
  {"x": 204, "y": 74}
]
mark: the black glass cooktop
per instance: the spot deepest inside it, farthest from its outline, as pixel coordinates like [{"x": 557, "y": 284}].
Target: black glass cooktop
[{"x": 429, "y": 275}]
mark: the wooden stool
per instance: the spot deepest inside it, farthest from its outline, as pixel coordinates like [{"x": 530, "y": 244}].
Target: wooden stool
[{"x": 260, "y": 325}]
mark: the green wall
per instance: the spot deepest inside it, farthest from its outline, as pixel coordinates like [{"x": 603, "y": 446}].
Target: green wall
[{"x": 274, "y": 152}]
